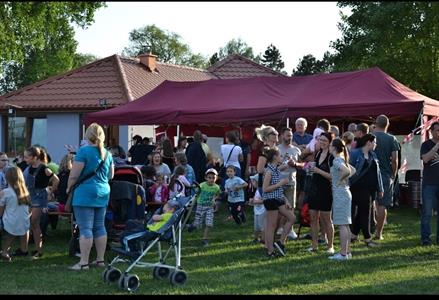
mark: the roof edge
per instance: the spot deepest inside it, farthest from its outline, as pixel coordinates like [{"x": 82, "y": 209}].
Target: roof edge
[
  {"x": 136, "y": 60},
  {"x": 55, "y": 77},
  {"x": 220, "y": 63},
  {"x": 123, "y": 79}
]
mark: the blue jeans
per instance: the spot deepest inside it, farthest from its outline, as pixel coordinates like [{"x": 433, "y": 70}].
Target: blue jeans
[
  {"x": 91, "y": 221},
  {"x": 430, "y": 199}
]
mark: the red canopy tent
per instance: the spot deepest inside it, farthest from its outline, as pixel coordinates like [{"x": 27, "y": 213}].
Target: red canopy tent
[{"x": 358, "y": 95}]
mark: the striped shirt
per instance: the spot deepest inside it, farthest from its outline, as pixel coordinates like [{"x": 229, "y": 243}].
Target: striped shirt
[{"x": 278, "y": 193}]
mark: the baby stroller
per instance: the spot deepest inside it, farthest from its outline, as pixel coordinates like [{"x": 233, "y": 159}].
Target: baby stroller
[
  {"x": 127, "y": 202},
  {"x": 170, "y": 233},
  {"x": 128, "y": 173}
]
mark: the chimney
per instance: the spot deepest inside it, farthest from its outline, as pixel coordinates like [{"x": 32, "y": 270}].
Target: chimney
[{"x": 149, "y": 61}]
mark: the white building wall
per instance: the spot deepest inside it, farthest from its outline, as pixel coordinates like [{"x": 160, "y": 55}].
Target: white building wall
[
  {"x": 410, "y": 152},
  {"x": 62, "y": 129}
]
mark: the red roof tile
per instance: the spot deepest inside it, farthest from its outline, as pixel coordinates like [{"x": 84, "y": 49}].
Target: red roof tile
[
  {"x": 79, "y": 88},
  {"x": 238, "y": 66}
]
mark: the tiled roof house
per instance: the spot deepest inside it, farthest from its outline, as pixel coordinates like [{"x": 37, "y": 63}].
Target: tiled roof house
[{"x": 50, "y": 111}]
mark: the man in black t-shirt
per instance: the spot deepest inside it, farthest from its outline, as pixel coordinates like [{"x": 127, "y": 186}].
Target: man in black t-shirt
[{"x": 430, "y": 184}]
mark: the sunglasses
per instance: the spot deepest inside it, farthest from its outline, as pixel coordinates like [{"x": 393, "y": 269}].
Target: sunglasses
[{"x": 4, "y": 159}]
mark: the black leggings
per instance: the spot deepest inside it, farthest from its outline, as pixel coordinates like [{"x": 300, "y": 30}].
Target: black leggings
[
  {"x": 237, "y": 211},
  {"x": 361, "y": 207}
]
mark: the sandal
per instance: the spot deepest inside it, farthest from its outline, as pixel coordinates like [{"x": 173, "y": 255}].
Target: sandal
[
  {"x": 79, "y": 267},
  {"x": 6, "y": 257},
  {"x": 98, "y": 263}
]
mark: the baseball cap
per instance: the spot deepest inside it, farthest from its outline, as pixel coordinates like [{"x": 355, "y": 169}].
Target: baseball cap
[{"x": 211, "y": 170}]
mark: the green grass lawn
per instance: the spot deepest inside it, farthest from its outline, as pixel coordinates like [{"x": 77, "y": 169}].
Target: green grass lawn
[{"x": 232, "y": 265}]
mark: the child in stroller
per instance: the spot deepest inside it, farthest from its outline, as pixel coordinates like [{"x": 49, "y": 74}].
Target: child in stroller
[{"x": 135, "y": 230}]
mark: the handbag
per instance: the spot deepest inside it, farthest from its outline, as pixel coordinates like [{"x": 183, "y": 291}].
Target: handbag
[
  {"x": 68, "y": 205},
  {"x": 222, "y": 172}
]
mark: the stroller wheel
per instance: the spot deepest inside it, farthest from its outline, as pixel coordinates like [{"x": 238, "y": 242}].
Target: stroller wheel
[
  {"x": 160, "y": 273},
  {"x": 104, "y": 275},
  {"x": 121, "y": 282},
  {"x": 132, "y": 282},
  {"x": 113, "y": 275},
  {"x": 178, "y": 278}
]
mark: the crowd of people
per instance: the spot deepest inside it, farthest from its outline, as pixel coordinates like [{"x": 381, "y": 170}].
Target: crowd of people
[{"x": 346, "y": 180}]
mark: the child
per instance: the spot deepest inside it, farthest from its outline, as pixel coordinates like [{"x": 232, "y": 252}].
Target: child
[
  {"x": 178, "y": 182},
  {"x": 135, "y": 227},
  {"x": 234, "y": 187},
  {"x": 209, "y": 192},
  {"x": 259, "y": 212},
  {"x": 15, "y": 212},
  {"x": 274, "y": 203},
  {"x": 159, "y": 191},
  {"x": 148, "y": 174}
]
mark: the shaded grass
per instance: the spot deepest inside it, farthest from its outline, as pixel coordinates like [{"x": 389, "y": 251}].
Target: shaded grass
[{"x": 232, "y": 265}]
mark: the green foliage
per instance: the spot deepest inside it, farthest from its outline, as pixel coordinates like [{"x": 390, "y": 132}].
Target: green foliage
[
  {"x": 80, "y": 59},
  {"x": 401, "y": 38},
  {"x": 272, "y": 59},
  {"x": 309, "y": 65},
  {"x": 37, "y": 39},
  {"x": 234, "y": 46},
  {"x": 165, "y": 44}
]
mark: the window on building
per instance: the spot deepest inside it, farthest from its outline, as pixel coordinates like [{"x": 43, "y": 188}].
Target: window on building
[
  {"x": 16, "y": 134},
  {"x": 23, "y": 132},
  {"x": 39, "y": 132}
]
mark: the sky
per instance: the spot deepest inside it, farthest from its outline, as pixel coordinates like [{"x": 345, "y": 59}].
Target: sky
[{"x": 295, "y": 28}]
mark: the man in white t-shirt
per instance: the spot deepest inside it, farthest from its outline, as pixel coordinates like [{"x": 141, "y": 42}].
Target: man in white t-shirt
[{"x": 290, "y": 157}]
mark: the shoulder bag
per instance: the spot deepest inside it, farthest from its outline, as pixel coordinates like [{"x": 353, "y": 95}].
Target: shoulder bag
[
  {"x": 222, "y": 172},
  {"x": 68, "y": 206}
]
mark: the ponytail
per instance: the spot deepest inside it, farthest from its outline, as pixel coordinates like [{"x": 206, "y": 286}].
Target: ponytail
[
  {"x": 346, "y": 155},
  {"x": 96, "y": 135}
]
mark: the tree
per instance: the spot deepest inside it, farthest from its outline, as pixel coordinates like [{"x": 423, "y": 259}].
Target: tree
[
  {"x": 309, "y": 65},
  {"x": 233, "y": 46},
  {"x": 272, "y": 59},
  {"x": 401, "y": 38},
  {"x": 80, "y": 59},
  {"x": 37, "y": 39},
  {"x": 165, "y": 44}
]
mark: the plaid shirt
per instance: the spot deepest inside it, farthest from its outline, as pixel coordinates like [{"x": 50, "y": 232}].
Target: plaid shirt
[{"x": 278, "y": 193}]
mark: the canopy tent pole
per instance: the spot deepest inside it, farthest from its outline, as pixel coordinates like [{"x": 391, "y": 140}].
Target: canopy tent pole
[
  {"x": 178, "y": 132},
  {"x": 288, "y": 122}
]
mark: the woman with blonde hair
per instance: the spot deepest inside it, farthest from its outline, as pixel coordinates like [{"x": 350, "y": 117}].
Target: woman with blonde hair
[
  {"x": 14, "y": 211},
  {"x": 92, "y": 169},
  {"x": 269, "y": 136}
]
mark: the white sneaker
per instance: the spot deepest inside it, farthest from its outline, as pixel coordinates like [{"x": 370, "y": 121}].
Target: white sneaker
[
  {"x": 339, "y": 257},
  {"x": 349, "y": 255},
  {"x": 330, "y": 251},
  {"x": 292, "y": 236},
  {"x": 280, "y": 231}
]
